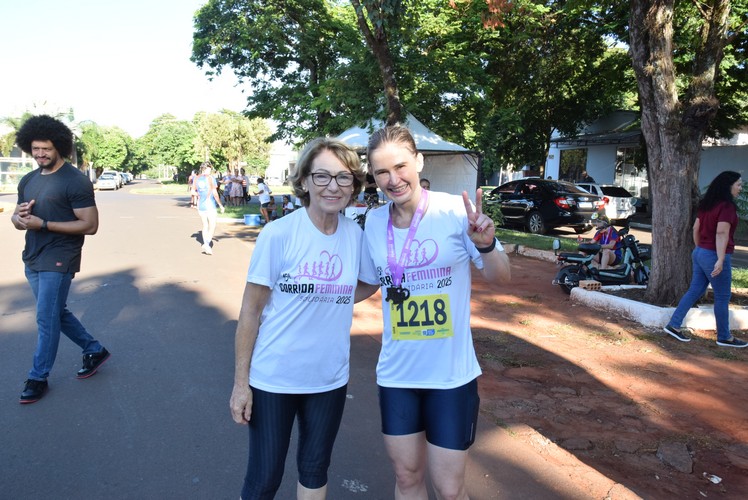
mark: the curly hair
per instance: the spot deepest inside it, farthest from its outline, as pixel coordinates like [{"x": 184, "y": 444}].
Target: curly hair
[
  {"x": 719, "y": 190},
  {"x": 45, "y": 128},
  {"x": 342, "y": 152}
]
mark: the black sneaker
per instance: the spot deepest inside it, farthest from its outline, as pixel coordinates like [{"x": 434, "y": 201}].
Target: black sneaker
[
  {"x": 92, "y": 362},
  {"x": 33, "y": 391},
  {"x": 678, "y": 333},
  {"x": 733, "y": 342}
]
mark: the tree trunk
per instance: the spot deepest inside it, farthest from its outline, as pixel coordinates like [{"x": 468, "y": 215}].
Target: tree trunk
[
  {"x": 379, "y": 46},
  {"x": 673, "y": 131}
]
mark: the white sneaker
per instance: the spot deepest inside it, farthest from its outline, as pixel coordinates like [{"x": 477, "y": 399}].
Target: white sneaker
[{"x": 207, "y": 249}]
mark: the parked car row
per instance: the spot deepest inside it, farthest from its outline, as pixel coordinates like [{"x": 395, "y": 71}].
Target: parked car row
[
  {"x": 111, "y": 179},
  {"x": 539, "y": 204},
  {"x": 542, "y": 204}
]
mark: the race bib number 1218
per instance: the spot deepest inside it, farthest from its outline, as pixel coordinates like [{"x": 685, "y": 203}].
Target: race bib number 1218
[{"x": 424, "y": 317}]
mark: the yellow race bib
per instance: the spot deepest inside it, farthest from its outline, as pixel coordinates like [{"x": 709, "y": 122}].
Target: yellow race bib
[{"x": 424, "y": 317}]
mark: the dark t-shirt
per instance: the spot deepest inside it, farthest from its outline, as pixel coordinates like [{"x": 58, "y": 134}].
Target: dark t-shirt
[
  {"x": 708, "y": 220},
  {"x": 370, "y": 187},
  {"x": 56, "y": 195}
]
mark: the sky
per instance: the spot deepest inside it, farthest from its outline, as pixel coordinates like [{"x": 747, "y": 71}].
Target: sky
[{"x": 115, "y": 63}]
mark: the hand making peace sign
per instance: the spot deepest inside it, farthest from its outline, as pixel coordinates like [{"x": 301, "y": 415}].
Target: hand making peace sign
[{"x": 481, "y": 229}]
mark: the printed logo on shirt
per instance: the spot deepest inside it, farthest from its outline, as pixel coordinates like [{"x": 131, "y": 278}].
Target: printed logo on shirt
[
  {"x": 315, "y": 280},
  {"x": 417, "y": 274}
]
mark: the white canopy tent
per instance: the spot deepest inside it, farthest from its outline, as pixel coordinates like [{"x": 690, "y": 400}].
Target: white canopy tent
[{"x": 449, "y": 167}]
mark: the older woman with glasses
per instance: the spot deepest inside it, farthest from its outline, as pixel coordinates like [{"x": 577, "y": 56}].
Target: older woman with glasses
[{"x": 292, "y": 340}]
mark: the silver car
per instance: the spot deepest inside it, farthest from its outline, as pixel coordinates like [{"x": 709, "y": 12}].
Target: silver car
[
  {"x": 107, "y": 180},
  {"x": 619, "y": 203}
]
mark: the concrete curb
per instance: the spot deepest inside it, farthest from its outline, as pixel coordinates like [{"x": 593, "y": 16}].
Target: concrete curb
[{"x": 698, "y": 318}]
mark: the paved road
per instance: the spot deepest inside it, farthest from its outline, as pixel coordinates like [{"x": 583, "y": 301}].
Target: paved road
[{"x": 154, "y": 423}]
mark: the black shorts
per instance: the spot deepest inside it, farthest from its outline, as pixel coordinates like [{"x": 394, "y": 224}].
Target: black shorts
[{"x": 448, "y": 416}]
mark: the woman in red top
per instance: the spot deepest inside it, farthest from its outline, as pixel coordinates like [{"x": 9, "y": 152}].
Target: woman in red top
[{"x": 713, "y": 236}]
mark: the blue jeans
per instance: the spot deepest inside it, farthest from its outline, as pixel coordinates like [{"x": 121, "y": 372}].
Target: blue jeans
[
  {"x": 703, "y": 263},
  {"x": 52, "y": 317}
]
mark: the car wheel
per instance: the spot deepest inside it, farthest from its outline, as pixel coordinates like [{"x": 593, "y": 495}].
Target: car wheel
[{"x": 535, "y": 224}]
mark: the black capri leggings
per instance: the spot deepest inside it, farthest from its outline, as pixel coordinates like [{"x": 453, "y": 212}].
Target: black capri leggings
[{"x": 270, "y": 426}]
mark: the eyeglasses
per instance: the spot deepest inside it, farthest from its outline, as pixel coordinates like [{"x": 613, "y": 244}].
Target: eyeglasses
[{"x": 343, "y": 179}]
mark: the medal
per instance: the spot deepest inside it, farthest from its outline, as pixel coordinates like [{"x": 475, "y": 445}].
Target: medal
[{"x": 397, "y": 294}]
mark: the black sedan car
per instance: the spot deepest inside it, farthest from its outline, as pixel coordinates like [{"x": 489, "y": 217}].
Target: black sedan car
[{"x": 542, "y": 204}]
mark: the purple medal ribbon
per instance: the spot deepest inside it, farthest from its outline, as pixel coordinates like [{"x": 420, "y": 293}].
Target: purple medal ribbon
[{"x": 397, "y": 268}]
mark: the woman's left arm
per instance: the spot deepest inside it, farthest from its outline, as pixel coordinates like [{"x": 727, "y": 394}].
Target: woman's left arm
[{"x": 723, "y": 236}]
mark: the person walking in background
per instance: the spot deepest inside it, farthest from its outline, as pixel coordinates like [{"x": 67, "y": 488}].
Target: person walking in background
[
  {"x": 237, "y": 193},
  {"x": 418, "y": 249},
  {"x": 56, "y": 209},
  {"x": 207, "y": 199},
  {"x": 263, "y": 192},
  {"x": 191, "y": 189},
  {"x": 293, "y": 334},
  {"x": 226, "y": 181},
  {"x": 245, "y": 186},
  {"x": 713, "y": 233}
]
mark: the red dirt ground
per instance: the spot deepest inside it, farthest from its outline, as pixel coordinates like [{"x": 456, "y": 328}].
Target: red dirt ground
[
  {"x": 607, "y": 389},
  {"x": 610, "y": 391}
]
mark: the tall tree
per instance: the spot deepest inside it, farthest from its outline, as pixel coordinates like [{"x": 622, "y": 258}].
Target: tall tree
[
  {"x": 103, "y": 148},
  {"x": 301, "y": 59},
  {"x": 170, "y": 142},
  {"x": 500, "y": 77},
  {"x": 228, "y": 138},
  {"x": 375, "y": 19},
  {"x": 678, "y": 105}
]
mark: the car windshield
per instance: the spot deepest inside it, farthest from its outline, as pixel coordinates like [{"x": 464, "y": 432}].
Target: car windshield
[
  {"x": 106, "y": 176},
  {"x": 616, "y": 191}
]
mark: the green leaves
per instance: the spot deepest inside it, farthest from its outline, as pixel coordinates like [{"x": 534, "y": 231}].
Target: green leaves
[{"x": 302, "y": 60}]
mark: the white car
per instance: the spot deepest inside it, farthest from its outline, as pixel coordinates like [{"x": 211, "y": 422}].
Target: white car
[
  {"x": 107, "y": 180},
  {"x": 619, "y": 203}
]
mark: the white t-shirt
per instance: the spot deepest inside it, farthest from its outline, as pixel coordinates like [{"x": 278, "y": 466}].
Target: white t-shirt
[
  {"x": 430, "y": 345},
  {"x": 265, "y": 194},
  {"x": 303, "y": 345}
]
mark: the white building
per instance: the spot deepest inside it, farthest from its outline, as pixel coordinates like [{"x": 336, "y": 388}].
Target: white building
[{"x": 611, "y": 151}]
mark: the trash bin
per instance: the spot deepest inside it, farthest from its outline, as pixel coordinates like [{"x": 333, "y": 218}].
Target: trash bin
[{"x": 252, "y": 219}]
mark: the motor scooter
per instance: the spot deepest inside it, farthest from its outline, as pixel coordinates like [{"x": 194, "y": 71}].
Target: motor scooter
[{"x": 581, "y": 265}]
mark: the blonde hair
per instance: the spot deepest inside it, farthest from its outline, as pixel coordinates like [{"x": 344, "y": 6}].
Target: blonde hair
[{"x": 312, "y": 150}]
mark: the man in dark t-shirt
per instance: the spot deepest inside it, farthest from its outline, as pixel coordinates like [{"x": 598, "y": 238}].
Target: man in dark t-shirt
[{"x": 56, "y": 208}]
